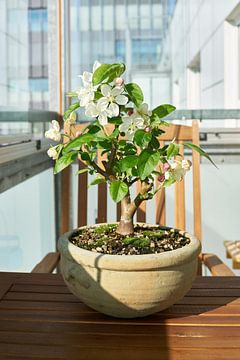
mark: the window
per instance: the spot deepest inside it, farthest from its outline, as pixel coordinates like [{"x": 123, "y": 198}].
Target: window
[{"x": 144, "y": 51}]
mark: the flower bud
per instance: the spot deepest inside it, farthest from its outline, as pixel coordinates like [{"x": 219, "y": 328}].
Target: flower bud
[
  {"x": 119, "y": 81},
  {"x": 186, "y": 164},
  {"x": 166, "y": 166},
  {"x": 161, "y": 178},
  {"x": 52, "y": 153},
  {"x": 148, "y": 129},
  {"x": 78, "y": 133}
]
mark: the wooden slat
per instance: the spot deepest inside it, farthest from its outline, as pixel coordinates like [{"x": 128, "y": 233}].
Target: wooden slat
[
  {"x": 47, "y": 264},
  {"x": 216, "y": 266},
  {"x": 102, "y": 193},
  {"x": 141, "y": 211},
  {"x": 160, "y": 201},
  {"x": 181, "y": 133},
  {"x": 118, "y": 211},
  {"x": 82, "y": 196},
  {"x": 180, "y": 221},
  {"x": 233, "y": 252},
  {"x": 197, "y": 216}
]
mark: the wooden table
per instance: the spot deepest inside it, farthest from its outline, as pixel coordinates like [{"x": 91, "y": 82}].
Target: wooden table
[{"x": 41, "y": 319}]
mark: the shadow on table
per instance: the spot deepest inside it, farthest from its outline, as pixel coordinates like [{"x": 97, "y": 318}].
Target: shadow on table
[{"x": 144, "y": 338}]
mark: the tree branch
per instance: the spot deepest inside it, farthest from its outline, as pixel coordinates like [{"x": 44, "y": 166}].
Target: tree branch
[
  {"x": 141, "y": 196},
  {"x": 98, "y": 169}
]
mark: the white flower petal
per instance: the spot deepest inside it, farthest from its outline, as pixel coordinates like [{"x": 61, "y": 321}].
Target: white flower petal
[
  {"x": 121, "y": 99},
  {"x": 52, "y": 153},
  {"x": 106, "y": 90},
  {"x": 86, "y": 77},
  {"x": 103, "y": 118},
  {"x": 53, "y": 135},
  {"x": 113, "y": 110},
  {"x": 117, "y": 90},
  {"x": 55, "y": 125},
  {"x": 102, "y": 104},
  {"x": 91, "y": 110},
  {"x": 96, "y": 65},
  {"x": 144, "y": 108}
]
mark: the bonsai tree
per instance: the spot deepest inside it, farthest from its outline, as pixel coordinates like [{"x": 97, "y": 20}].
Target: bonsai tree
[{"x": 131, "y": 144}]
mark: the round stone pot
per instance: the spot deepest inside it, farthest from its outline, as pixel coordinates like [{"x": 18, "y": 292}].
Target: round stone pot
[{"x": 128, "y": 286}]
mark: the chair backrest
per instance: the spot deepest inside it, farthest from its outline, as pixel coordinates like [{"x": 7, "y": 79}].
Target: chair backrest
[{"x": 180, "y": 133}]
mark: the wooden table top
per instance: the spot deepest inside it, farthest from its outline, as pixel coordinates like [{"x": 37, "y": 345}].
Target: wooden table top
[{"x": 41, "y": 319}]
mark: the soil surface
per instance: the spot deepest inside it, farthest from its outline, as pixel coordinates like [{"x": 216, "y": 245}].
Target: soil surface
[{"x": 144, "y": 240}]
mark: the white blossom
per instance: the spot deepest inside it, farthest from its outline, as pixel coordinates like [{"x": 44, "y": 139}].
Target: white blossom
[
  {"x": 98, "y": 110},
  {"x": 178, "y": 169},
  {"x": 130, "y": 125},
  {"x": 143, "y": 111},
  {"x": 54, "y": 132},
  {"x": 186, "y": 164},
  {"x": 86, "y": 93},
  {"x": 52, "y": 153},
  {"x": 113, "y": 97}
]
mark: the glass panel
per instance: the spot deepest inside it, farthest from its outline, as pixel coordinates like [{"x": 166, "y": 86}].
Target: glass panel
[
  {"x": 27, "y": 228},
  {"x": 23, "y": 60},
  {"x": 115, "y": 28}
]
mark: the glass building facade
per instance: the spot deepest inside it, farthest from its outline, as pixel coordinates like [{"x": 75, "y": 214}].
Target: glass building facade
[
  {"x": 24, "y": 55},
  {"x": 122, "y": 31}
]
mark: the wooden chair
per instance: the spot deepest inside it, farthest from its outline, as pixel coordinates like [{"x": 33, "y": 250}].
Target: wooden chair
[{"x": 181, "y": 133}]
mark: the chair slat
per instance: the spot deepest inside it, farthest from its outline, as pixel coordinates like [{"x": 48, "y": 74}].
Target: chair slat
[
  {"x": 102, "y": 193},
  {"x": 82, "y": 195},
  {"x": 180, "y": 132},
  {"x": 161, "y": 207},
  {"x": 180, "y": 220},
  {"x": 118, "y": 209},
  {"x": 160, "y": 201},
  {"x": 141, "y": 211},
  {"x": 196, "y": 184}
]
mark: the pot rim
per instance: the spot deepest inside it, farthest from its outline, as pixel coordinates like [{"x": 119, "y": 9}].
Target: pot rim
[{"x": 140, "y": 262}]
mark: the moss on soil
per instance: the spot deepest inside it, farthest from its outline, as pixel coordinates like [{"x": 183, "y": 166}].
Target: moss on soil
[{"x": 144, "y": 240}]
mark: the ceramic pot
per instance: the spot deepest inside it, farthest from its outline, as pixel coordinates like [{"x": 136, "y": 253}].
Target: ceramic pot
[{"x": 132, "y": 285}]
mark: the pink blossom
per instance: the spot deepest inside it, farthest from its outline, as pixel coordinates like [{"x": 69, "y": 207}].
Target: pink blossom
[
  {"x": 119, "y": 81},
  {"x": 161, "y": 178},
  {"x": 166, "y": 166}
]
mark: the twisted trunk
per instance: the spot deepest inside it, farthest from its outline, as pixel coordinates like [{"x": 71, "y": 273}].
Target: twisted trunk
[
  {"x": 129, "y": 208},
  {"x": 125, "y": 226}
]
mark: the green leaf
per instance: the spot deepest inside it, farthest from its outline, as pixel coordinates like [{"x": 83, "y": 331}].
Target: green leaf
[
  {"x": 135, "y": 93},
  {"x": 118, "y": 189},
  {"x": 147, "y": 161},
  {"x": 94, "y": 129},
  {"x": 78, "y": 142},
  {"x": 162, "y": 111},
  {"x": 142, "y": 138},
  {"x": 128, "y": 162},
  {"x": 82, "y": 171},
  {"x": 154, "y": 143},
  {"x": 169, "y": 182},
  {"x": 172, "y": 150},
  {"x": 200, "y": 151},
  {"x": 85, "y": 156},
  {"x": 138, "y": 137},
  {"x": 71, "y": 109},
  {"x": 64, "y": 161},
  {"x": 115, "y": 120},
  {"x": 98, "y": 180},
  {"x": 107, "y": 72}
]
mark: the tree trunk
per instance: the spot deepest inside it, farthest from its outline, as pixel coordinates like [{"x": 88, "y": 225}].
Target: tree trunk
[{"x": 125, "y": 226}]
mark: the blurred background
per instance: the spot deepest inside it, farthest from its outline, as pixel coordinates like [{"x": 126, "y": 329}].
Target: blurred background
[{"x": 184, "y": 52}]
